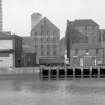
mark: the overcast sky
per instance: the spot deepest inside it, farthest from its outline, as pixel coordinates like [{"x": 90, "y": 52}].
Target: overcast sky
[{"x": 16, "y": 13}]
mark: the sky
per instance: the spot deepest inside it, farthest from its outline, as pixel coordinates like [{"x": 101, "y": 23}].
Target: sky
[{"x": 17, "y": 13}]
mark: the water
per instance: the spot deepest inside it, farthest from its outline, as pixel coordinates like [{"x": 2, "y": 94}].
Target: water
[{"x": 63, "y": 92}]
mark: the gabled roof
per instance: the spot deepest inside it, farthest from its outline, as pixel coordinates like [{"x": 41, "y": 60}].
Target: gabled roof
[
  {"x": 46, "y": 19},
  {"x": 84, "y": 22},
  {"x": 51, "y": 23},
  {"x": 27, "y": 44}
]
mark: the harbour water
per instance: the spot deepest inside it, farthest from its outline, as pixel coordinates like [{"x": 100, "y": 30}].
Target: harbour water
[{"x": 60, "y": 92}]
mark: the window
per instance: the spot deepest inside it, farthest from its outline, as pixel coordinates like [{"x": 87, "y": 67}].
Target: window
[
  {"x": 42, "y": 26},
  {"x": 41, "y": 38},
  {"x": 42, "y": 46},
  {"x": 36, "y": 47},
  {"x": 54, "y": 53},
  {"x": 104, "y": 36},
  {"x": 36, "y": 33},
  {"x": 86, "y": 28},
  {"x": 48, "y": 38},
  {"x": 87, "y": 51},
  {"x": 42, "y": 29},
  {"x": 54, "y": 39},
  {"x": 47, "y": 32},
  {"x": 48, "y": 47},
  {"x": 76, "y": 51},
  {"x": 54, "y": 47},
  {"x": 48, "y": 53},
  {"x": 53, "y": 33},
  {"x": 97, "y": 51},
  {"x": 42, "y": 53},
  {"x": 41, "y": 32}
]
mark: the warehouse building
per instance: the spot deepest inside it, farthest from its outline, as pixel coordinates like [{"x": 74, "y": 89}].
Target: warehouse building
[
  {"x": 46, "y": 37},
  {"x": 83, "y": 41},
  {"x": 28, "y": 53}
]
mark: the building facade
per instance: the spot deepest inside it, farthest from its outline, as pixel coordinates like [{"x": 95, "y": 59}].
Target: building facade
[
  {"x": 10, "y": 50},
  {"x": 86, "y": 55},
  {"x": 85, "y": 48},
  {"x": 102, "y": 33},
  {"x": 46, "y": 38},
  {"x": 28, "y": 53},
  {"x": 62, "y": 46}
]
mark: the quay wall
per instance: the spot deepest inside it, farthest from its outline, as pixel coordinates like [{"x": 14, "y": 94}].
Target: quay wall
[{"x": 19, "y": 73}]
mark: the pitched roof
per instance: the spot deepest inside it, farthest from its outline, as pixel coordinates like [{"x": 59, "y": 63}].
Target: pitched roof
[
  {"x": 5, "y": 34},
  {"x": 44, "y": 18},
  {"x": 85, "y": 22},
  {"x": 8, "y": 35}
]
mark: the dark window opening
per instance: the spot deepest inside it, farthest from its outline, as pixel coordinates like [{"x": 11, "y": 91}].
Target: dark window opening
[
  {"x": 69, "y": 73},
  {"x": 94, "y": 72},
  {"x": 77, "y": 72},
  {"x": 86, "y": 73}
]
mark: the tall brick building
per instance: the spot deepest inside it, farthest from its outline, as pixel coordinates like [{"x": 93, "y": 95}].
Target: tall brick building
[
  {"x": 45, "y": 37},
  {"x": 84, "y": 44}
]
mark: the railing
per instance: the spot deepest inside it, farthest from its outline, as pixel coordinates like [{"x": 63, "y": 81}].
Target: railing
[{"x": 22, "y": 70}]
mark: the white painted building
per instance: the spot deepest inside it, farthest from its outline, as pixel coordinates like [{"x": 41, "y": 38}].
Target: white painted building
[
  {"x": 6, "y": 55},
  {"x": 10, "y": 50}
]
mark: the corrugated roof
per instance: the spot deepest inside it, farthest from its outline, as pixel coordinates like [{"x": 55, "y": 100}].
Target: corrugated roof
[{"x": 84, "y": 22}]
